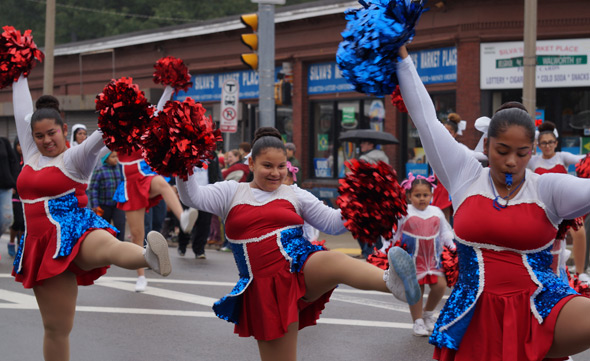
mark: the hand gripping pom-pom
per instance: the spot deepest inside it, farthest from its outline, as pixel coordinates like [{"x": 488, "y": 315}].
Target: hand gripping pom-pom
[
  {"x": 172, "y": 71},
  {"x": 123, "y": 115},
  {"x": 367, "y": 55},
  {"x": 398, "y": 101},
  {"x": 179, "y": 138},
  {"x": 450, "y": 263},
  {"x": 583, "y": 167},
  {"x": 17, "y": 55},
  {"x": 371, "y": 200}
]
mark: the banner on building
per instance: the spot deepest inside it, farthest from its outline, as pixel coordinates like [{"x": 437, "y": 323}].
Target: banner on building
[{"x": 560, "y": 63}]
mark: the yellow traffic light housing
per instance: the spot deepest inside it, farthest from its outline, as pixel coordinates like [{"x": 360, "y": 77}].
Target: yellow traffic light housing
[
  {"x": 250, "y": 40},
  {"x": 251, "y": 60},
  {"x": 250, "y": 20}
]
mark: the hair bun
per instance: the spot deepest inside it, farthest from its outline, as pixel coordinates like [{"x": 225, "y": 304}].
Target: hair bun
[
  {"x": 546, "y": 126},
  {"x": 47, "y": 101},
  {"x": 266, "y": 132},
  {"x": 454, "y": 117},
  {"x": 512, "y": 104}
]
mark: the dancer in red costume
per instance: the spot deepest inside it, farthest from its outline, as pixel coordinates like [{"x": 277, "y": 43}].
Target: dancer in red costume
[
  {"x": 422, "y": 233},
  {"x": 142, "y": 189},
  {"x": 507, "y": 303},
  {"x": 65, "y": 244},
  {"x": 550, "y": 161},
  {"x": 285, "y": 281}
]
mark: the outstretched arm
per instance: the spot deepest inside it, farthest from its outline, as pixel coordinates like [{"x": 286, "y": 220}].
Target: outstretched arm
[
  {"x": 213, "y": 198},
  {"x": 81, "y": 160},
  {"x": 22, "y": 103},
  {"x": 453, "y": 164},
  {"x": 166, "y": 96},
  {"x": 565, "y": 196}
]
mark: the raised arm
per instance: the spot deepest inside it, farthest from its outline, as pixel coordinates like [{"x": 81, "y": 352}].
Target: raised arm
[
  {"x": 453, "y": 164},
  {"x": 565, "y": 196},
  {"x": 166, "y": 96},
  {"x": 22, "y": 103}
]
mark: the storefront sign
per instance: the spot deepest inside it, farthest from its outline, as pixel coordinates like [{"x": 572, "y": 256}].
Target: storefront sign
[
  {"x": 208, "y": 87},
  {"x": 436, "y": 65},
  {"x": 325, "y": 78},
  {"x": 322, "y": 168},
  {"x": 560, "y": 63}
]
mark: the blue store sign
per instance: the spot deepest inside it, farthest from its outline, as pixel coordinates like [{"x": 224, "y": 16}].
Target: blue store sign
[
  {"x": 436, "y": 65},
  {"x": 207, "y": 87},
  {"x": 325, "y": 78}
]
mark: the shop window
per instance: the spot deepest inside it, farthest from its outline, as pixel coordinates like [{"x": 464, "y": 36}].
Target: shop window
[
  {"x": 416, "y": 162},
  {"x": 329, "y": 119}
]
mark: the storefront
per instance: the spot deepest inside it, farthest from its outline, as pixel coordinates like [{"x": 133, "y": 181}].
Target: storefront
[{"x": 562, "y": 81}]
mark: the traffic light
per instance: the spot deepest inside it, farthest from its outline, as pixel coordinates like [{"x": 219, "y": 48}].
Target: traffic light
[
  {"x": 282, "y": 92},
  {"x": 250, "y": 40}
]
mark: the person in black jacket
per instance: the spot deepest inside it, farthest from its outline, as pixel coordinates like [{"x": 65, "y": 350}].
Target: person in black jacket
[
  {"x": 18, "y": 225},
  {"x": 8, "y": 174}
]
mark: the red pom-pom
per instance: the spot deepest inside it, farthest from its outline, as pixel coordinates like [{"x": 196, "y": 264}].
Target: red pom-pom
[
  {"x": 172, "y": 71},
  {"x": 123, "y": 115},
  {"x": 371, "y": 200},
  {"x": 398, "y": 101},
  {"x": 583, "y": 167},
  {"x": 450, "y": 263},
  {"x": 179, "y": 138},
  {"x": 321, "y": 243},
  {"x": 566, "y": 224},
  {"x": 17, "y": 55},
  {"x": 575, "y": 283},
  {"x": 378, "y": 259}
]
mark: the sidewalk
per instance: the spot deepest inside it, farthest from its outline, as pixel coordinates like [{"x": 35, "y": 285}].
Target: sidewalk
[{"x": 343, "y": 243}]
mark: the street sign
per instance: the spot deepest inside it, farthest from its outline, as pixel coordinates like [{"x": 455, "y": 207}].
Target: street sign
[{"x": 229, "y": 106}]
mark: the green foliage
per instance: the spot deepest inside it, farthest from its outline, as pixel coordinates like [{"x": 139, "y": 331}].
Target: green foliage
[{"x": 78, "y": 20}]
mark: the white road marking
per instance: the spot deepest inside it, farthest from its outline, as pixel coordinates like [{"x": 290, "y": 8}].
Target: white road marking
[{"x": 23, "y": 301}]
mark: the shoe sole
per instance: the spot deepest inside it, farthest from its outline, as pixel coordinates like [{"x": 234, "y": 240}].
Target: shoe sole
[
  {"x": 193, "y": 214},
  {"x": 159, "y": 246},
  {"x": 403, "y": 264}
]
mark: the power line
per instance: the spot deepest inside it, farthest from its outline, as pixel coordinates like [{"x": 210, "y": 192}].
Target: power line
[{"x": 74, "y": 7}]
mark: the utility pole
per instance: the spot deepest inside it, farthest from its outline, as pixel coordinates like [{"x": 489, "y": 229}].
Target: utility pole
[
  {"x": 529, "y": 98},
  {"x": 49, "y": 46},
  {"x": 266, "y": 55}
]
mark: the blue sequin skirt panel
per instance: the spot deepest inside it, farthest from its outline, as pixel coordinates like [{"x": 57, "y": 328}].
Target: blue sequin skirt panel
[
  {"x": 295, "y": 250},
  {"x": 71, "y": 222}
]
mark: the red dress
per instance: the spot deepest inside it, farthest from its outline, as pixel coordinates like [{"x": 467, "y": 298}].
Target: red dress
[
  {"x": 270, "y": 252},
  {"x": 56, "y": 224},
  {"x": 134, "y": 192}
]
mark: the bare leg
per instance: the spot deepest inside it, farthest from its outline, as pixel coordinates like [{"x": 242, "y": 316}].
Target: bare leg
[
  {"x": 572, "y": 330},
  {"x": 416, "y": 308},
  {"x": 437, "y": 291},
  {"x": 324, "y": 270},
  {"x": 135, "y": 219},
  {"x": 281, "y": 349},
  {"x": 100, "y": 249},
  {"x": 579, "y": 243},
  {"x": 57, "y": 302},
  {"x": 159, "y": 187}
]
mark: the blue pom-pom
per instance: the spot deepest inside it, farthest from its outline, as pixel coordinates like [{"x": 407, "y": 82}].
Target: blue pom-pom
[{"x": 367, "y": 55}]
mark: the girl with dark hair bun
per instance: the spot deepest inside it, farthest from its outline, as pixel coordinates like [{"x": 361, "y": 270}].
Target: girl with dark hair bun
[
  {"x": 65, "y": 243},
  {"x": 507, "y": 302},
  {"x": 551, "y": 161},
  {"x": 285, "y": 281}
]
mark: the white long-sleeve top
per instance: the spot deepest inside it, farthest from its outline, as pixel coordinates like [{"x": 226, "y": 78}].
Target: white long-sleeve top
[
  {"x": 564, "y": 196},
  {"x": 79, "y": 161},
  {"x": 216, "y": 198}
]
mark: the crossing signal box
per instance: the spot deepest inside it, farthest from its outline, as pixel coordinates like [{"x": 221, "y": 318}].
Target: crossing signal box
[{"x": 250, "y": 40}]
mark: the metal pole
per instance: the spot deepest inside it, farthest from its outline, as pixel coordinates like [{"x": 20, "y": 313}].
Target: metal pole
[
  {"x": 530, "y": 57},
  {"x": 266, "y": 66},
  {"x": 49, "y": 46}
]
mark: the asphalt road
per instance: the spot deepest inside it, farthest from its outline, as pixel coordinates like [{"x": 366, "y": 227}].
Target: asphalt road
[{"x": 173, "y": 320}]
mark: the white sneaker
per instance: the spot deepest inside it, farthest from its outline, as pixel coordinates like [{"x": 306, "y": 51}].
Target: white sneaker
[
  {"x": 584, "y": 278},
  {"x": 141, "y": 284},
  {"x": 419, "y": 328},
  {"x": 156, "y": 254},
  {"x": 188, "y": 219},
  {"x": 429, "y": 320},
  {"x": 400, "y": 278}
]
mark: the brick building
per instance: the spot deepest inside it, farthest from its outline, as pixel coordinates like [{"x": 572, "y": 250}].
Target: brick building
[{"x": 466, "y": 51}]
